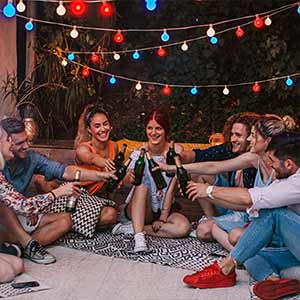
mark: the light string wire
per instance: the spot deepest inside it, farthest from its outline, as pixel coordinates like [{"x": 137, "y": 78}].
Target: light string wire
[
  {"x": 181, "y": 85},
  {"x": 285, "y": 7}
]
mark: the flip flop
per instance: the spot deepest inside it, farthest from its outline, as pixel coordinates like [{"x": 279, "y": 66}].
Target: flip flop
[{"x": 276, "y": 289}]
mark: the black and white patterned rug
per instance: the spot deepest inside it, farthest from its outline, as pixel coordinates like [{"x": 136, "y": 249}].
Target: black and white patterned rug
[{"x": 184, "y": 253}]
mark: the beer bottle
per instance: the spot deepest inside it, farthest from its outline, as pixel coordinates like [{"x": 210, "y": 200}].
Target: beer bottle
[
  {"x": 139, "y": 168},
  {"x": 170, "y": 158},
  {"x": 71, "y": 200},
  {"x": 120, "y": 173},
  {"x": 182, "y": 176},
  {"x": 120, "y": 157},
  {"x": 156, "y": 173}
]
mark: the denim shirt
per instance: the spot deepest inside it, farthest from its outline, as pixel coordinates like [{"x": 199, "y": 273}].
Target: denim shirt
[
  {"x": 34, "y": 163},
  {"x": 221, "y": 152}
]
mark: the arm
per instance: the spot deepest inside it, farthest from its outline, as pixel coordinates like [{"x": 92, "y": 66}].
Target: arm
[{"x": 165, "y": 212}]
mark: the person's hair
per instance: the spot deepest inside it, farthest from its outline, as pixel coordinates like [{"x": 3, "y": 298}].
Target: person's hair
[
  {"x": 161, "y": 117},
  {"x": 285, "y": 146},
  {"x": 91, "y": 111},
  {"x": 271, "y": 125},
  {"x": 248, "y": 119},
  {"x": 2, "y": 162},
  {"x": 12, "y": 125}
]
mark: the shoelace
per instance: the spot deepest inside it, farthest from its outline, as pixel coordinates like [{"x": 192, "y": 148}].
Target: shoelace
[{"x": 39, "y": 249}]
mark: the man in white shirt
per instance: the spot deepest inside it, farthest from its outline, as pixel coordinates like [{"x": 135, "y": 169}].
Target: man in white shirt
[{"x": 263, "y": 204}]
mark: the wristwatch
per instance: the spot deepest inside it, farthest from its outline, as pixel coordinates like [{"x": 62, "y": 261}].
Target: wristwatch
[{"x": 209, "y": 191}]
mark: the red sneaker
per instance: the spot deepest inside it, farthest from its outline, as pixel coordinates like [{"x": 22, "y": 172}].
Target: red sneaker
[
  {"x": 276, "y": 289},
  {"x": 210, "y": 277}
]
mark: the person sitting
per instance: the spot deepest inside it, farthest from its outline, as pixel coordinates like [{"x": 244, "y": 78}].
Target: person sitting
[{"x": 149, "y": 209}]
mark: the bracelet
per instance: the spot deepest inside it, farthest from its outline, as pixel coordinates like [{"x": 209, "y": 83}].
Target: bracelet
[{"x": 54, "y": 196}]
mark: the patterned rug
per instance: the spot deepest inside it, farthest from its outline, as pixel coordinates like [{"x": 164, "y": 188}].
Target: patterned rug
[{"x": 184, "y": 253}]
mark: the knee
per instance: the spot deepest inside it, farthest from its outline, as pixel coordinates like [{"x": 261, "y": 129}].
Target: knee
[
  {"x": 204, "y": 231},
  {"x": 234, "y": 235},
  {"x": 184, "y": 229},
  {"x": 108, "y": 215}
]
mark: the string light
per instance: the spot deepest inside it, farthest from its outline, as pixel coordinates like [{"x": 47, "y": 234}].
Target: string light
[
  {"x": 184, "y": 46},
  {"x": 210, "y": 32},
  {"x": 21, "y": 7},
  {"x": 226, "y": 90},
  {"x": 135, "y": 55},
  {"x": 64, "y": 62},
  {"x": 289, "y": 81},
  {"x": 256, "y": 88},
  {"x": 258, "y": 22},
  {"x": 268, "y": 21},
  {"x": 112, "y": 80},
  {"x": 150, "y": 4},
  {"x": 118, "y": 37},
  {"x": 85, "y": 72},
  {"x": 29, "y": 25},
  {"x": 165, "y": 36},
  {"x": 298, "y": 9},
  {"x": 78, "y": 8},
  {"x": 74, "y": 33},
  {"x": 214, "y": 40},
  {"x": 9, "y": 10},
  {"x": 194, "y": 91},
  {"x": 106, "y": 9},
  {"x": 71, "y": 56},
  {"x": 95, "y": 58},
  {"x": 116, "y": 56},
  {"x": 239, "y": 32},
  {"x": 138, "y": 86},
  {"x": 161, "y": 52},
  {"x": 166, "y": 90},
  {"x": 61, "y": 10}
]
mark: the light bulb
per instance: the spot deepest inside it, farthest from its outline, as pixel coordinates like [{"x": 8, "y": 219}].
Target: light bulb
[
  {"x": 71, "y": 56},
  {"x": 95, "y": 58},
  {"x": 289, "y": 81},
  {"x": 85, "y": 72},
  {"x": 116, "y": 56},
  {"x": 298, "y": 9},
  {"x": 74, "y": 33},
  {"x": 256, "y": 88},
  {"x": 61, "y": 10},
  {"x": 184, "y": 46},
  {"x": 268, "y": 21},
  {"x": 258, "y": 22},
  {"x": 161, "y": 52},
  {"x": 165, "y": 36},
  {"x": 21, "y": 6},
  {"x": 64, "y": 62},
  {"x": 194, "y": 91},
  {"x": 106, "y": 9},
  {"x": 29, "y": 25},
  {"x": 118, "y": 37},
  {"x": 166, "y": 90},
  {"x": 214, "y": 40},
  {"x": 9, "y": 10},
  {"x": 135, "y": 55},
  {"x": 239, "y": 32},
  {"x": 112, "y": 80},
  {"x": 150, "y": 4},
  {"x": 138, "y": 86},
  {"x": 210, "y": 32},
  {"x": 225, "y": 90}
]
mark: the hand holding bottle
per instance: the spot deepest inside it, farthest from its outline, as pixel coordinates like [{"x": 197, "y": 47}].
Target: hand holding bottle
[
  {"x": 109, "y": 165},
  {"x": 67, "y": 189}
]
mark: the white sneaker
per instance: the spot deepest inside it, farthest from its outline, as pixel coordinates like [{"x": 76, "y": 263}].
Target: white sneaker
[
  {"x": 193, "y": 234},
  {"x": 122, "y": 229},
  {"x": 140, "y": 243}
]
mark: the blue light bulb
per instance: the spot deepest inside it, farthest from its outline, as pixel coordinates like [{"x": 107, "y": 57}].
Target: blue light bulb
[
  {"x": 214, "y": 40},
  {"x": 289, "y": 82},
  {"x": 298, "y": 10},
  {"x": 136, "y": 55},
  {"x": 71, "y": 56},
  {"x": 9, "y": 10},
  {"x": 194, "y": 91},
  {"x": 150, "y": 4},
  {"x": 165, "y": 36},
  {"x": 112, "y": 80},
  {"x": 29, "y": 26}
]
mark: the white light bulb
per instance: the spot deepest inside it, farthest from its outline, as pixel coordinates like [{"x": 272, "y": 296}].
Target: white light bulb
[
  {"x": 21, "y": 6},
  {"x": 184, "y": 46},
  {"x": 64, "y": 62},
  {"x": 138, "y": 86},
  {"x": 117, "y": 56},
  {"x": 61, "y": 10},
  {"x": 226, "y": 90},
  {"x": 268, "y": 21},
  {"x": 74, "y": 33},
  {"x": 210, "y": 32}
]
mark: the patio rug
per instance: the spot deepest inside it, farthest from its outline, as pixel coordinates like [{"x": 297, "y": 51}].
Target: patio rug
[{"x": 184, "y": 253}]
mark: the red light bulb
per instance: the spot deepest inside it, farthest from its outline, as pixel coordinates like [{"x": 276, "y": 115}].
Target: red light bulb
[
  {"x": 256, "y": 88},
  {"x": 161, "y": 52},
  {"x": 239, "y": 32},
  {"x": 85, "y": 72},
  {"x": 106, "y": 9},
  {"x": 95, "y": 58},
  {"x": 166, "y": 90},
  {"x": 258, "y": 22},
  {"x": 118, "y": 37},
  {"x": 78, "y": 8}
]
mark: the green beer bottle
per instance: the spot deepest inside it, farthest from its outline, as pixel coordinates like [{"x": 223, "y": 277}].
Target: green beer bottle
[
  {"x": 71, "y": 200},
  {"x": 120, "y": 157},
  {"x": 182, "y": 176},
  {"x": 120, "y": 173},
  {"x": 170, "y": 158},
  {"x": 156, "y": 173},
  {"x": 139, "y": 168}
]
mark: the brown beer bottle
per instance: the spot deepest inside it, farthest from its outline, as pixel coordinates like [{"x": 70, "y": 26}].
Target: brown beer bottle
[
  {"x": 71, "y": 200},
  {"x": 170, "y": 158},
  {"x": 156, "y": 173},
  {"x": 182, "y": 176},
  {"x": 120, "y": 157},
  {"x": 120, "y": 173},
  {"x": 139, "y": 168}
]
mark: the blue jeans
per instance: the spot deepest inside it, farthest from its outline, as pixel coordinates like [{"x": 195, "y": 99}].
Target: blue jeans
[{"x": 279, "y": 222}]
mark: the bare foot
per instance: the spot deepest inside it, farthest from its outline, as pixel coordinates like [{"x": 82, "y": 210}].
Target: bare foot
[
  {"x": 273, "y": 277},
  {"x": 227, "y": 265}
]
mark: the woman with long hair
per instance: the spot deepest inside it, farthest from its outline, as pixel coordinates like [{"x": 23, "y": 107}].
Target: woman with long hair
[{"x": 151, "y": 210}]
